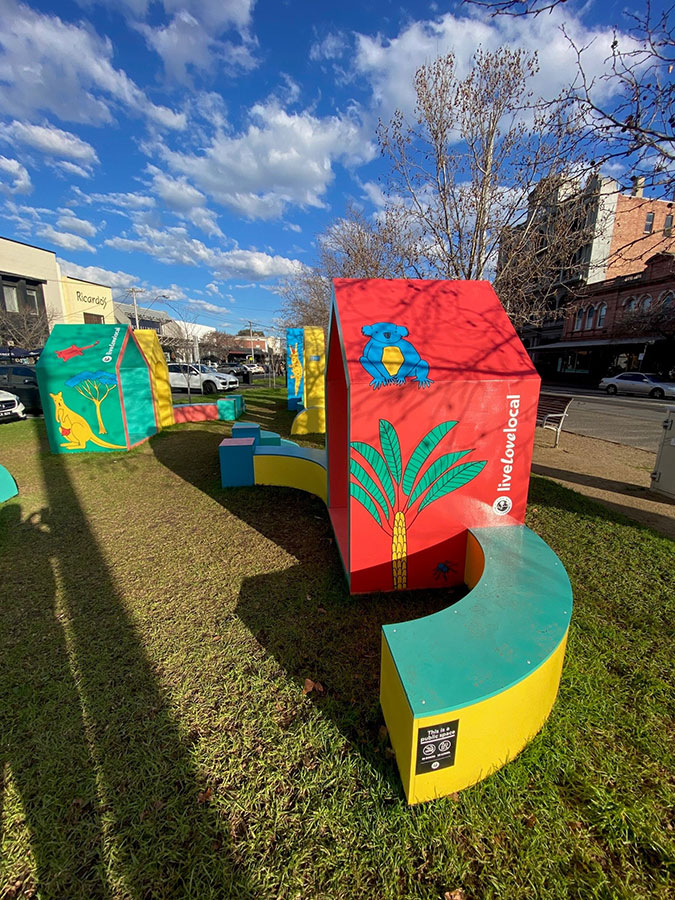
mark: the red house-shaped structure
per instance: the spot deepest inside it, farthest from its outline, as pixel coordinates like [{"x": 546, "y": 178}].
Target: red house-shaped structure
[{"x": 432, "y": 401}]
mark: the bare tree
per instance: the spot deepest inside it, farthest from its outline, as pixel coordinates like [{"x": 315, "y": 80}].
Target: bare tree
[
  {"x": 28, "y": 330},
  {"x": 517, "y": 7},
  {"x": 305, "y": 300},
  {"x": 180, "y": 338},
  {"x": 351, "y": 247},
  {"x": 478, "y": 177},
  {"x": 218, "y": 344},
  {"x": 637, "y": 124}
]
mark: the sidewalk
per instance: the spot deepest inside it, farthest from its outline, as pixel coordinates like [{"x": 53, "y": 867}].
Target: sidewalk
[{"x": 614, "y": 474}]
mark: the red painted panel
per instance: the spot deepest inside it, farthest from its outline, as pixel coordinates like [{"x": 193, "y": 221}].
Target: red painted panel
[
  {"x": 203, "y": 412},
  {"x": 441, "y": 426}
]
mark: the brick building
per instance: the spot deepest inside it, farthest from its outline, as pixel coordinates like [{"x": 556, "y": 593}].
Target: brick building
[
  {"x": 625, "y": 323},
  {"x": 626, "y": 230}
]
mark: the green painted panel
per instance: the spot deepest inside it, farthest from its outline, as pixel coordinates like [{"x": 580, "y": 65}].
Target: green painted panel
[
  {"x": 495, "y": 636},
  {"x": 79, "y": 388},
  {"x": 138, "y": 405},
  {"x": 84, "y": 374}
]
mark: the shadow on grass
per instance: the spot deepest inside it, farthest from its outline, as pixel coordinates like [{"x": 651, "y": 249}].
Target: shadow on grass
[
  {"x": 304, "y": 615},
  {"x": 107, "y": 788},
  {"x": 597, "y": 507}
]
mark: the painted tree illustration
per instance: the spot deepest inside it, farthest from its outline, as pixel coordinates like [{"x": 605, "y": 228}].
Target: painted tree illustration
[
  {"x": 395, "y": 496},
  {"x": 95, "y": 386}
]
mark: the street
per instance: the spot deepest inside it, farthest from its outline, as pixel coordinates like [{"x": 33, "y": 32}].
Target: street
[{"x": 635, "y": 421}]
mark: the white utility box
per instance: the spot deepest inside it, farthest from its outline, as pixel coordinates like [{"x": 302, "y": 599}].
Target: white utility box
[{"x": 663, "y": 476}]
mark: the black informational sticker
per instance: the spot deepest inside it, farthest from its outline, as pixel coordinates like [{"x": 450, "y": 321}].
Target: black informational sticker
[{"x": 436, "y": 747}]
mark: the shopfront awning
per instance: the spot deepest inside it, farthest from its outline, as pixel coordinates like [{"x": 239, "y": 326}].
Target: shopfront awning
[{"x": 585, "y": 345}]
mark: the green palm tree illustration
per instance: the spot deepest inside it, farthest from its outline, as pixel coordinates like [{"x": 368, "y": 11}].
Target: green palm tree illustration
[{"x": 393, "y": 493}]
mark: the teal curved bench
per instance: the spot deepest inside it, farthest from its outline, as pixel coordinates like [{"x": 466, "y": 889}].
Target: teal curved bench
[{"x": 465, "y": 689}]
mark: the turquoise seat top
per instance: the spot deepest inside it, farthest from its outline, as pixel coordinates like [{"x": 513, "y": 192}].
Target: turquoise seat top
[{"x": 498, "y": 634}]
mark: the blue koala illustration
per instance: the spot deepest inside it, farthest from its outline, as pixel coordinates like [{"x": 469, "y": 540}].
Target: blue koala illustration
[{"x": 390, "y": 359}]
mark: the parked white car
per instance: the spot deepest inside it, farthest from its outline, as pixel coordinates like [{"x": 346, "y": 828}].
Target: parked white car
[
  {"x": 643, "y": 383},
  {"x": 203, "y": 379},
  {"x": 11, "y": 407}
]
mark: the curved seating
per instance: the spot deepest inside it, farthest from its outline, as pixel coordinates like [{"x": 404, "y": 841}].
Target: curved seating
[
  {"x": 465, "y": 689},
  {"x": 8, "y": 486},
  {"x": 254, "y": 456},
  {"x": 227, "y": 409}
]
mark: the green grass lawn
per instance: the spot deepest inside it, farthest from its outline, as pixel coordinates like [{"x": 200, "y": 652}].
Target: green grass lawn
[{"x": 155, "y": 742}]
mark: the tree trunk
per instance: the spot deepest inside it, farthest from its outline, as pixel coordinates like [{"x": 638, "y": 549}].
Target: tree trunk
[
  {"x": 101, "y": 427},
  {"x": 399, "y": 553}
]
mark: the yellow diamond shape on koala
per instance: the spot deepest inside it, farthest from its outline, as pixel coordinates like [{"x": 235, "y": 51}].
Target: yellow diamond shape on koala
[{"x": 392, "y": 359}]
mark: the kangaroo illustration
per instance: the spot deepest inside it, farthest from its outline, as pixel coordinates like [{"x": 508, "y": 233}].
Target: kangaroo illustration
[
  {"x": 296, "y": 367},
  {"x": 75, "y": 428}
]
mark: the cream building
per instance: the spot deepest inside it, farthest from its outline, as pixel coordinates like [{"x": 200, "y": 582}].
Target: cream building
[
  {"x": 86, "y": 301},
  {"x": 31, "y": 282}
]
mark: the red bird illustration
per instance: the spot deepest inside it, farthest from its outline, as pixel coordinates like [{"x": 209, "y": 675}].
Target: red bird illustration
[{"x": 72, "y": 351}]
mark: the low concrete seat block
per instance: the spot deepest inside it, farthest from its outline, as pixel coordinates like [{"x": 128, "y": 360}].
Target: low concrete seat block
[
  {"x": 236, "y": 462},
  {"x": 195, "y": 412},
  {"x": 271, "y": 460},
  {"x": 465, "y": 689}
]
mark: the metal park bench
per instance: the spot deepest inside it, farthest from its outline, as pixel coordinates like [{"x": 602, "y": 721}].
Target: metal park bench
[{"x": 551, "y": 412}]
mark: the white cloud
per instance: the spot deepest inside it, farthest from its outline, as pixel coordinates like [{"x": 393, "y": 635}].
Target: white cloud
[
  {"x": 48, "y": 65},
  {"x": 390, "y": 64},
  {"x": 68, "y": 221},
  {"x": 53, "y": 141},
  {"x": 174, "y": 246},
  {"x": 212, "y": 288},
  {"x": 185, "y": 200},
  {"x": 20, "y": 179},
  {"x": 120, "y": 282},
  {"x": 333, "y": 46},
  {"x": 207, "y": 307},
  {"x": 291, "y": 226},
  {"x": 64, "y": 239},
  {"x": 187, "y": 43},
  {"x": 71, "y": 168},
  {"x": 128, "y": 201},
  {"x": 281, "y": 159}
]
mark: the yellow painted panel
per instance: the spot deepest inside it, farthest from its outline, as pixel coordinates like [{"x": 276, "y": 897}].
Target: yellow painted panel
[
  {"x": 159, "y": 375},
  {"x": 310, "y": 421},
  {"x": 291, "y": 471},
  {"x": 315, "y": 368},
  {"x": 489, "y": 734},
  {"x": 398, "y": 716}
]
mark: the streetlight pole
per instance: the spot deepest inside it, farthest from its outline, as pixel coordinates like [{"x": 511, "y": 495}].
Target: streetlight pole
[{"x": 133, "y": 291}]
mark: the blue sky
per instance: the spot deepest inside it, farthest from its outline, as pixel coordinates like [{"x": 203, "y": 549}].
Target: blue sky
[{"x": 195, "y": 148}]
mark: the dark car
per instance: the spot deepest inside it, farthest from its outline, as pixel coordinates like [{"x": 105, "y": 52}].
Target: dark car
[{"x": 22, "y": 381}]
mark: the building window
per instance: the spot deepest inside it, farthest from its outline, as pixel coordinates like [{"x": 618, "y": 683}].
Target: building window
[
  {"x": 590, "y": 315},
  {"x": 668, "y": 225},
  {"x": 32, "y": 300},
  {"x": 667, "y": 299},
  {"x": 602, "y": 312},
  {"x": 11, "y": 298},
  {"x": 579, "y": 319},
  {"x": 92, "y": 319},
  {"x": 646, "y": 302},
  {"x": 17, "y": 295},
  {"x": 649, "y": 223},
  {"x": 631, "y": 305}
]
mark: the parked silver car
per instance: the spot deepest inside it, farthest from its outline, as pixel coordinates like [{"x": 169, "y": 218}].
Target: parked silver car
[
  {"x": 644, "y": 383},
  {"x": 202, "y": 378}
]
